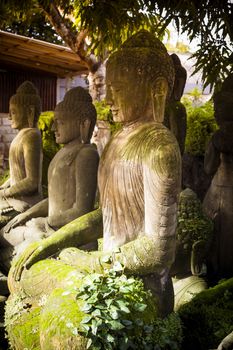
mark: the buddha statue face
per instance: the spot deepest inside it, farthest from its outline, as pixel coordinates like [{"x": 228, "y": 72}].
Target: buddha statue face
[
  {"x": 74, "y": 117},
  {"x": 25, "y": 106},
  {"x": 138, "y": 78},
  {"x": 127, "y": 95},
  {"x": 66, "y": 127},
  {"x": 20, "y": 115}
]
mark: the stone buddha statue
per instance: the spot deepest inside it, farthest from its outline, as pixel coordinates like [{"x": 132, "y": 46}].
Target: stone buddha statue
[
  {"x": 139, "y": 183},
  {"x": 72, "y": 178},
  {"x": 218, "y": 201},
  {"x": 175, "y": 114},
  {"x": 23, "y": 188}
]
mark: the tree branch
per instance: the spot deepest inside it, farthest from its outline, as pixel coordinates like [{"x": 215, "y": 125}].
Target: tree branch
[{"x": 76, "y": 41}]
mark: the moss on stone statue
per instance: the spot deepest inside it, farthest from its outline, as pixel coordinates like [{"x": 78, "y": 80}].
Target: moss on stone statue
[
  {"x": 193, "y": 224},
  {"x": 60, "y": 321},
  {"x": 22, "y": 323},
  {"x": 50, "y": 147},
  {"x": 105, "y": 310},
  {"x": 5, "y": 176},
  {"x": 208, "y": 317},
  {"x": 153, "y": 136}
]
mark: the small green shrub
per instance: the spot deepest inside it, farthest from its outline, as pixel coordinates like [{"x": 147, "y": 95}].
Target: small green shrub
[
  {"x": 121, "y": 314},
  {"x": 104, "y": 113},
  {"x": 201, "y": 125},
  {"x": 5, "y": 176},
  {"x": 50, "y": 147},
  {"x": 193, "y": 224},
  {"x": 208, "y": 317}
]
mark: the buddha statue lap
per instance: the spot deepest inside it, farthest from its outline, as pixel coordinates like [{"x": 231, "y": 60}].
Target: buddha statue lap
[
  {"x": 139, "y": 182},
  {"x": 23, "y": 188},
  {"x": 72, "y": 178}
]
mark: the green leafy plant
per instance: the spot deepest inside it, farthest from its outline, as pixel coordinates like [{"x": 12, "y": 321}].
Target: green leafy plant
[
  {"x": 193, "y": 224},
  {"x": 208, "y": 317},
  {"x": 121, "y": 314},
  {"x": 50, "y": 147},
  {"x": 5, "y": 176},
  {"x": 201, "y": 125},
  {"x": 104, "y": 113}
]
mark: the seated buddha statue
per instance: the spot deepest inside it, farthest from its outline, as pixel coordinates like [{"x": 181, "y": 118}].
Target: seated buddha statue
[
  {"x": 218, "y": 201},
  {"x": 139, "y": 182},
  {"x": 23, "y": 188},
  {"x": 72, "y": 178}
]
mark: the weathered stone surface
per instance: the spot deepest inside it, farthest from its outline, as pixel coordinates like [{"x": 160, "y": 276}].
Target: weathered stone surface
[
  {"x": 139, "y": 183},
  {"x": 175, "y": 114},
  {"x": 218, "y": 202},
  {"x": 25, "y": 158}
]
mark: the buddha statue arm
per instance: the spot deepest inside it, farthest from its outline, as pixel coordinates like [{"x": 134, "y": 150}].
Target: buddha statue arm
[
  {"x": 38, "y": 210},
  {"x": 6, "y": 184},
  {"x": 32, "y": 163},
  {"x": 86, "y": 183},
  {"x": 154, "y": 251},
  {"x": 83, "y": 230},
  {"x": 212, "y": 159}
]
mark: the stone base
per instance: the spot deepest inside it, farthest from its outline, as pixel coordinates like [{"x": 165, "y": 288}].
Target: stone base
[{"x": 186, "y": 288}]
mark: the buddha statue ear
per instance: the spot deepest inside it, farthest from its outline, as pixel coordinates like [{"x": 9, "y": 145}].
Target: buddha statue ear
[
  {"x": 159, "y": 94},
  {"x": 31, "y": 116},
  {"x": 84, "y": 130}
]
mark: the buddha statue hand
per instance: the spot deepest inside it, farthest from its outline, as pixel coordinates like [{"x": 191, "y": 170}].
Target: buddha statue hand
[
  {"x": 82, "y": 230},
  {"x": 18, "y": 220},
  {"x": 35, "y": 252},
  {"x": 87, "y": 262},
  {"x": 4, "y": 204}
]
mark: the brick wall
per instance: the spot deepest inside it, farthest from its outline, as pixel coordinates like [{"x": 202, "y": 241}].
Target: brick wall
[{"x": 6, "y": 136}]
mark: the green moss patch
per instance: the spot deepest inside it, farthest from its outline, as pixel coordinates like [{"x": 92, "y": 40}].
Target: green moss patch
[{"x": 208, "y": 318}]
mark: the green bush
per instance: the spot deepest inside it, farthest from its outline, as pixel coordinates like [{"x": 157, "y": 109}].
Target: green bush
[
  {"x": 121, "y": 314},
  {"x": 201, "y": 125},
  {"x": 208, "y": 317},
  {"x": 193, "y": 224},
  {"x": 104, "y": 113},
  {"x": 5, "y": 176},
  {"x": 50, "y": 147}
]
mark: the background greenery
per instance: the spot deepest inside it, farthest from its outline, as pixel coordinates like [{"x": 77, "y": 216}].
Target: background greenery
[{"x": 201, "y": 124}]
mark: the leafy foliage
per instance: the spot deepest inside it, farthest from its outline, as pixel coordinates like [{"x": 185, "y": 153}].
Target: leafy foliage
[
  {"x": 193, "y": 224},
  {"x": 50, "y": 147},
  {"x": 212, "y": 23},
  {"x": 208, "y": 318},
  {"x": 108, "y": 23},
  {"x": 201, "y": 125},
  {"x": 104, "y": 113},
  {"x": 5, "y": 176},
  {"x": 24, "y": 18},
  {"x": 120, "y": 314}
]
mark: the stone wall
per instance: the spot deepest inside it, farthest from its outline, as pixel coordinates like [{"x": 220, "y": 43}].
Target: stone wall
[{"x": 6, "y": 136}]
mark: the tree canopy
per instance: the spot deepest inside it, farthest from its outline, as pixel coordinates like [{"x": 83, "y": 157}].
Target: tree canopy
[{"x": 100, "y": 26}]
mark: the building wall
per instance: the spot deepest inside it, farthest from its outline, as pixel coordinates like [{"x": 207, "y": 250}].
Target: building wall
[
  {"x": 6, "y": 136},
  {"x": 11, "y": 79}
]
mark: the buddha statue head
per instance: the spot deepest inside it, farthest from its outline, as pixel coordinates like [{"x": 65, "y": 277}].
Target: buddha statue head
[
  {"x": 74, "y": 117},
  {"x": 25, "y": 106},
  {"x": 180, "y": 78},
  {"x": 223, "y": 102},
  {"x": 139, "y": 77}
]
